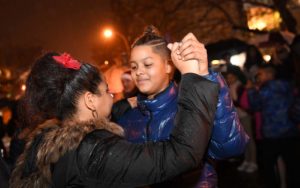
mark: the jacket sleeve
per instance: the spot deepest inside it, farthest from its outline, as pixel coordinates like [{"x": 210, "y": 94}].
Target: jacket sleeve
[
  {"x": 228, "y": 137},
  {"x": 116, "y": 162}
]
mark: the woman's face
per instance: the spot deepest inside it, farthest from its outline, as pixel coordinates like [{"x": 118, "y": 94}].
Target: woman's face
[
  {"x": 103, "y": 102},
  {"x": 150, "y": 71}
]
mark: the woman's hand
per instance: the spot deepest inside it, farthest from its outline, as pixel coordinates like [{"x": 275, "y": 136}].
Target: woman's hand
[{"x": 189, "y": 56}]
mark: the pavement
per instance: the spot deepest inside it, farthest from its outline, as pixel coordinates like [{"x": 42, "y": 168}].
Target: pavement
[{"x": 230, "y": 177}]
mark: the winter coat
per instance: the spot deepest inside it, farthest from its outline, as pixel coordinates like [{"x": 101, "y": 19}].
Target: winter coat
[
  {"x": 228, "y": 137},
  {"x": 85, "y": 155},
  {"x": 153, "y": 120},
  {"x": 273, "y": 100}
]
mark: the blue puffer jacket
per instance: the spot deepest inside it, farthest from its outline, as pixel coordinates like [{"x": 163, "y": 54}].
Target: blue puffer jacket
[
  {"x": 228, "y": 136},
  {"x": 274, "y": 100},
  {"x": 153, "y": 120}
]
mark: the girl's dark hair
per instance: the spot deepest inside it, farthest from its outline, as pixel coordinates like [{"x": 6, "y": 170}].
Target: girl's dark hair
[
  {"x": 152, "y": 37},
  {"x": 52, "y": 90}
]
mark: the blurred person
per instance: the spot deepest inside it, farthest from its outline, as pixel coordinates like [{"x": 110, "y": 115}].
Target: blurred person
[
  {"x": 295, "y": 56},
  {"x": 281, "y": 57},
  {"x": 130, "y": 90},
  {"x": 129, "y": 97},
  {"x": 153, "y": 117},
  {"x": 239, "y": 96},
  {"x": 9, "y": 121},
  {"x": 14, "y": 144},
  {"x": 73, "y": 143},
  {"x": 253, "y": 60},
  {"x": 229, "y": 67},
  {"x": 4, "y": 130},
  {"x": 2, "y": 133},
  {"x": 4, "y": 167},
  {"x": 113, "y": 77},
  {"x": 11, "y": 127},
  {"x": 273, "y": 97}
]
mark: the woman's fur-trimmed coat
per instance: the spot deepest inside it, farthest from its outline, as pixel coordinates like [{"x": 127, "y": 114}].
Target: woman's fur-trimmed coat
[
  {"x": 46, "y": 145},
  {"x": 103, "y": 159}
]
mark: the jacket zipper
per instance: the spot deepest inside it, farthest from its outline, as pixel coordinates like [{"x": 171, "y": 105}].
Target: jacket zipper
[{"x": 148, "y": 127}]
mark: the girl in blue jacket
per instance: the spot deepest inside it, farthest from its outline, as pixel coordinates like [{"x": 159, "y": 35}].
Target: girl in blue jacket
[{"x": 153, "y": 117}]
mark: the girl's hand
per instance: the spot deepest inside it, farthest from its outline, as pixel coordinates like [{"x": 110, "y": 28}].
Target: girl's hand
[{"x": 189, "y": 56}]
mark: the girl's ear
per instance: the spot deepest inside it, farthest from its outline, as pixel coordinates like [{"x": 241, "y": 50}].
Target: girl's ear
[
  {"x": 89, "y": 100},
  {"x": 169, "y": 67}
]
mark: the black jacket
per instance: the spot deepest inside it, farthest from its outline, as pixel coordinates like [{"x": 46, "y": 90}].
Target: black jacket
[{"x": 103, "y": 159}]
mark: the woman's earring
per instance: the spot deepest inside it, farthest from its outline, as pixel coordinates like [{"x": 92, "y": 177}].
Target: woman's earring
[{"x": 95, "y": 114}]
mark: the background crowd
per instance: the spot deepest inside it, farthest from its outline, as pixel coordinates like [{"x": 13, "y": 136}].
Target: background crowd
[{"x": 265, "y": 94}]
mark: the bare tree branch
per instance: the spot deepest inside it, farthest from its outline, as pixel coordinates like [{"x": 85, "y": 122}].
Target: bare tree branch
[
  {"x": 256, "y": 3},
  {"x": 226, "y": 14}
]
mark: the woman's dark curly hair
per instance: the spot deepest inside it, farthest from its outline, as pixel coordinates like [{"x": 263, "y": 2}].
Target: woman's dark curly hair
[{"x": 52, "y": 90}]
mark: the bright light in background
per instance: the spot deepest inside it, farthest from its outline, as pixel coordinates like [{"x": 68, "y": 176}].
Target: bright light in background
[
  {"x": 23, "y": 87},
  {"x": 106, "y": 62},
  {"x": 238, "y": 59},
  {"x": 107, "y": 33},
  {"x": 267, "y": 58},
  {"x": 6, "y": 73},
  {"x": 215, "y": 62},
  {"x": 260, "y": 25},
  {"x": 262, "y": 18}
]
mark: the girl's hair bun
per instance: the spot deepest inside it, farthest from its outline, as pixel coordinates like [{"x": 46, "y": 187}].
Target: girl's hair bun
[
  {"x": 151, "y": 30},
  {"x": 150, "y": 36}
]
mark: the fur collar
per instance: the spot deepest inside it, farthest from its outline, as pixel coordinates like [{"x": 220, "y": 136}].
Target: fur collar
[{"x": 56, "y": 140}]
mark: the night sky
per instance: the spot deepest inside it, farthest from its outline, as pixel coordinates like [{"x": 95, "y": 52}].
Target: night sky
[{"x": 70, "y": 25}]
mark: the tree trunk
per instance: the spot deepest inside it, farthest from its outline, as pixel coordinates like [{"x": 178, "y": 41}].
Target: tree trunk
[{"x": 288, "y": 19}]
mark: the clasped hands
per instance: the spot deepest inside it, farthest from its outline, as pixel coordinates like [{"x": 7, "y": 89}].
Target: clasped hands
[{"x": 189, "y": 55}]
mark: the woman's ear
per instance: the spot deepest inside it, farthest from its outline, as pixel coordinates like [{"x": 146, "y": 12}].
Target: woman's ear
[{"x": 89, "y": 100}]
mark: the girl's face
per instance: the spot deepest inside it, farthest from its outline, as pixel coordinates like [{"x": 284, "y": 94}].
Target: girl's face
[
  {"x": 150, "y": 71},
  {"x": 103, "y": 102}
]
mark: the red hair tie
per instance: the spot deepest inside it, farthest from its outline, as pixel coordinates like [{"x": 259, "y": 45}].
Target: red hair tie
[{"x": 67, "y": 61}]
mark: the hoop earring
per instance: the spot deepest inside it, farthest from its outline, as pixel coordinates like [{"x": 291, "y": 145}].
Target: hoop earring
[{"x": 95, "y": 114}]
